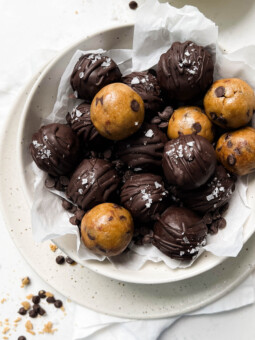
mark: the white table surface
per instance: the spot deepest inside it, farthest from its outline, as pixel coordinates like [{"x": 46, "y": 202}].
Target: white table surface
[{"x": 26, "y": 30}]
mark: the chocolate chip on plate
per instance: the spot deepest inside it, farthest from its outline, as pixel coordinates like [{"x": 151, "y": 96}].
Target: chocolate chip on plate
[
  {"x": 36, "y": 299},
  {"x": 50, "y": 299},
  {"x": 33, "y": 313},
  {"x": 69, "y": 260},
  {"x": 22, "y": 311},
  {"x": 60, "y": 259},
  {"x": 58, "y": 304},
  {"x": 42, "y": 294}
]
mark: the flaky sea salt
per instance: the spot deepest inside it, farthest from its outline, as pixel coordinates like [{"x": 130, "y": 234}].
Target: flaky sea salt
[
  {"x": 157, "y": 185},
  {"x": 149, "y": 133},
  {"x": 135, "y": 81}
]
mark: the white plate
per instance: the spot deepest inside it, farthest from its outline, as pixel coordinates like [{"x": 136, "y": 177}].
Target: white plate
[
  {"x": 95, "y": 291},
  {"x": 39, "y": 104}
]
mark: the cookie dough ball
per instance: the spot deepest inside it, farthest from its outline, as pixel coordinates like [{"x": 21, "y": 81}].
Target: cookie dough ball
[
  {"x": 188, "y": 161},
  {"x": 230, "y": 103},
  {"x": 179, "y": 233},
  {"x": 144, "y": 196},
  {"x": 55, "y": 149},
  {"x": 146, "y": 85},
  {"x": 92, "y": 183},
  {"x": 91, "y": 73},
  {"x": 236, "y": 151},
  {"x": 188, "y": 120},
  {"x": 185, "y": 71},
  {"x": 143, "y": 151},
  {"x": 212, "y": 195},
  {"x": 107, "y": 229},
  {"x": 117, "y": 111}
]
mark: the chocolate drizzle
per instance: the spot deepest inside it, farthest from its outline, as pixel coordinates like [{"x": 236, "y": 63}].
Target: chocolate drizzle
[
  {"x": 179, "y": 233},
  {"x": 185, "y": 71},
  {"x": 55, "y": 149},
  {"x": 188, "y": 161},
  {"x": 91, "y": 73}
]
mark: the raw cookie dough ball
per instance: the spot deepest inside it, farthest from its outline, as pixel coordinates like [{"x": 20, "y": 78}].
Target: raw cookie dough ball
[
  {"x": 188, "y": 120},
  {"x": 188, "y": 161},
  {"x": 143, "y": 151},
  {"x": 230, "y": 103},
  {"x": 55, "y": 149},
  {"x": 117, "y": 111},
  {"x": 212, "y": 195},
  {"x": 185, "y": 71},
  {"x": 92, "y": 183},
  {"x": 144, "y": 196},
  {"x": 236, "y": 151},
  {"x": 91, "y": 73},
  {"x": 179, "y": 233},
  {"x": 146, "y": 85},
  {"x": 107, "y": 229}
]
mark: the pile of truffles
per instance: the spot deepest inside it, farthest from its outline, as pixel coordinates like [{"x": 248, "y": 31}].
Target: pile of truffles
[{"x": 139, "y": 160}]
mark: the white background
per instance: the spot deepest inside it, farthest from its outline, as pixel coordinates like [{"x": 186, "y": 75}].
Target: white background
[{"x": 31, "y": 33}]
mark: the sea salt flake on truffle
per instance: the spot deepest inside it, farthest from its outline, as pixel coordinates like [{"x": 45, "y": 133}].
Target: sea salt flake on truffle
[
  {"x": 136, "y": 123},
  {"x": 149, "y": 133},
  {"x": 137, "y": 169},
  {"x": 157, "y": 185},
  {"x": 80, "y": 191},
  {"x": 190, "y": 143},
  {"x": 84, "y": 181},
  {"x": 135, "y": 81},
  {"x": 75, "y": 94},
  {"x": 78, "y": 113},
  {"x": 81, "y": 75},
  {"x": 36, "y": 144}
]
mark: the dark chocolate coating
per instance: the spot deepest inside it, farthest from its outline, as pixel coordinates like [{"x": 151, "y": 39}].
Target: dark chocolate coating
[
  {"x": 91, "y": 73},
  {"x": 143, "y": 150},
  {"x": 185, "y": 71},
  {"x": 144, "y": 196},
  {"x": 55, "y": 149},
  {"x": 146, "y": 85},
  {"x": 80, "y": 122},
  {"x": 92, "y": 183},
  {"x": 212, "y": 195},
  {"x": 179, "y": 233},
  {"x": 188, "y": 161}
]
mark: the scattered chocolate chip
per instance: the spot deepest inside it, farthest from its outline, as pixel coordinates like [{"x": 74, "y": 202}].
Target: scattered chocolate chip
[
  {"x": 91, "y": 237},
  {"x": 64, "y": 180},
  {"x": 222, "y": 223},
  {"x": 69, "y": 260},
  {"x": 36, "y": 299},
  {"x": 79, "y": 214},
  {"x": 155, "y": 120},
  {"x": 41, "y": 311},
  {"x": 101, "y": 100},
  {"x": 237, "y": 151},
  {"x": 50, "y": 182},
  {"x": 133, "y": 5},
  {"x": 58, "y": 303},
  {"x": 22, "y": 337},
  {"x": 220, "y": 91},
  {"x": 66, "y": 205},
  {"x": 73, "y": 220},
  {"x": 197, "y": 127},
  {"x": 36, "y": 308},
  {"x": 60, "y": 259},
  {"x": 110, "y": 218},
  {"x": 122, "y": 217},
  {"x": 163, "y": 125},
  {"x": 213, "y": 115},
  {"x": 231, "y": 160},
  {"x": 135, "y": 105},
  {"x": 42, "y": 294},
  {"x": 33, "y": 313},
  {"x": 50, "y": 299},
  {"x": 22, "y": 311},
  {"x": 224, "y": 208},
  {"x": 229, "y": 144}
]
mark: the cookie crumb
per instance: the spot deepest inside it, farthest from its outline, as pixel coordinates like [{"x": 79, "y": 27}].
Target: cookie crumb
[
  {"x": 29, "y": 297},
  {"x": 5, "y": 330},
  {"x": 48, "y": 328},
  {"x": 29, "y": 327},
  {"x": 76, "y": 12},
  {"x": 26, "y": 305},
  {"x": 3, "y": 300},
  {"x": 17, "y": 320},
  {"x": 25, "y": 281},
  {"x": 53, "y": 247},
  {"x": 48, "y": 294}
]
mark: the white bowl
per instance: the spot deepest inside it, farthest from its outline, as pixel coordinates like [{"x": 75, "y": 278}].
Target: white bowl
[{"x": 39, "y": 104}]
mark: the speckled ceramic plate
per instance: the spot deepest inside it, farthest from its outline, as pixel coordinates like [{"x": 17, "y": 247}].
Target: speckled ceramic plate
[
  {"x": 86, "y": 287},
  {"x": 38, "y": 105}
]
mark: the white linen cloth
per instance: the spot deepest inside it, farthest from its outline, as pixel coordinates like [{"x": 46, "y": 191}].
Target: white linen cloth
[{"x": 32, "y": 32}]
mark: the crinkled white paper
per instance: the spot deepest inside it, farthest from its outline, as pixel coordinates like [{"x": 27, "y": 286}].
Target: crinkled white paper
[{"x": 158, "y": 26}]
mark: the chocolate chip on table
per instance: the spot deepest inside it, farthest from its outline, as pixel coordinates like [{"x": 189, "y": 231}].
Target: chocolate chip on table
[
  {"x": 22, "y": 337},
  {"x": 60, "y": 259},
  {"x": 66, "y": 205},
  {"x": 220, "y": 91},
  {"x": 22, "y": 311},
  {"x": 133, "y": 5},
  {"x": 69, "y": 260},
  {"x": 42, "y": 294},
  {"x": 36, "y": 308},
  {"x": 41, "y": 311},
  {"x": 33, "y": 313},
  {"x": 79, "y": 214},
  {"x": 74, "y": 220},
  {"x": 58, "y": 304},
  {"x": 50, "y": 299},
  {"x": 50, "y": 182},
  {"x": 64, "y": 180},
  {"x": 36, "y": 299}
]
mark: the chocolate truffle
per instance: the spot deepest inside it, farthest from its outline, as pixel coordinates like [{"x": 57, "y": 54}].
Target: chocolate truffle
[
  {"x": 143, "y": 195},
  {"x": 212, "y": 195},
  {"x": 143, "y": 151},
  {"x": 146, "y": 85},
  {"x": 188, "y": 161},
  {"x": 91, "y": 73},
  {"x": 236, "y": 151},
  {"x": 55, "y": 149},
  {"x": 117, "y": 111},
  {"x": 185, "y": 71},
  {"x": 107, "y": 229},
  {"x": 179, "y": 233},
  {"x": 80, "y": 122},
  {"x": 230, "y": 103},
  {"x": 92, "y": 183}
]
